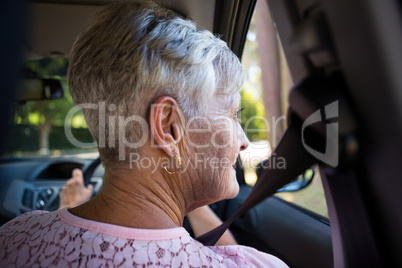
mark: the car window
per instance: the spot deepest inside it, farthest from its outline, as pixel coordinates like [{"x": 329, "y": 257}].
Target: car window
[
  {"x": 264, "y": 97},
  {"x": 39, "y": 126}
]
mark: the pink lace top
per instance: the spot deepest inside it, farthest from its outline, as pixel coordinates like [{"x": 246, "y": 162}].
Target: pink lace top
[{"x": 60, "y": 239}]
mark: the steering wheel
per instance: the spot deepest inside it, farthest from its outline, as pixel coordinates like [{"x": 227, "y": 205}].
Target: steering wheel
[{"x": 89, "y": 171}]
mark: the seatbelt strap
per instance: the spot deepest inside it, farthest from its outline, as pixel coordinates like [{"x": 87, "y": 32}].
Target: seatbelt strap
[
  {"x": 272, "y": 178},
  {"x": 305, "y": 99}
]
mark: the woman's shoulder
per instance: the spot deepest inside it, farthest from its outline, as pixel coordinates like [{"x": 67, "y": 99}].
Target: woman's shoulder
[
  {"x": 243, "y": 256},
  {"x": 26, "y": 225},
  {"x": 70, "y": 240},
  {"x": 28, "y": 219}
]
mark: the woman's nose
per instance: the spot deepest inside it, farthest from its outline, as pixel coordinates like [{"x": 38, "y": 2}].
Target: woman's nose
[{"x": 244, "y": 140}]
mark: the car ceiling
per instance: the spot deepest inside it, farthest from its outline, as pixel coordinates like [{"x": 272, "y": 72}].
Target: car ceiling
[{"x": 51, "y": 29}]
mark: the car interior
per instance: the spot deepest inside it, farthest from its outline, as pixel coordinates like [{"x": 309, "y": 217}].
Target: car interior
[{"x": 344, "y": 118}]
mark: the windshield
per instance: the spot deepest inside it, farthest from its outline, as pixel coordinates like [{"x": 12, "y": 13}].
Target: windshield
[{"x": 39, "y": 127}]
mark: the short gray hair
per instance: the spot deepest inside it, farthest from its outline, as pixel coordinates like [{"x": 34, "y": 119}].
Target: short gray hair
[{"x": 131, "y": 53}]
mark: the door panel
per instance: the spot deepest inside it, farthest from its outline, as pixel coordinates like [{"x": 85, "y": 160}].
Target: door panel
[{"x": 299, "y": 237}]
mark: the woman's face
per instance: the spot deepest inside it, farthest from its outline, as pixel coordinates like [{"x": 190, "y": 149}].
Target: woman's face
[{"x": 215, "y": 141}]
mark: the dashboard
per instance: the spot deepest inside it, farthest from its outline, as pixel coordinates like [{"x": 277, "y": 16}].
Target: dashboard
[{"x": 34, "y": 184}]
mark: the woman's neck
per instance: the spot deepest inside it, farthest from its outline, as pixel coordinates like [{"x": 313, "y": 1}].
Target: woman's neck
[{"x": 139, "y": 201}]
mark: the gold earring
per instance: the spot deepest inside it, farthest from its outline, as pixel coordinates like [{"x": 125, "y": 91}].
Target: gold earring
[{"x": 174, "y": 172}]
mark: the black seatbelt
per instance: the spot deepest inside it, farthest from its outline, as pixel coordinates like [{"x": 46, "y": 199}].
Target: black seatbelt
[
  {"x": 291, "y": 149},
  {"x": 353, "y": 238},
  {"x": 316, "y": 93}
]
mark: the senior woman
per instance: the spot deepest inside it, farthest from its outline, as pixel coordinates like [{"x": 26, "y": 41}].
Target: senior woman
[{"x": 161, "y": 100}]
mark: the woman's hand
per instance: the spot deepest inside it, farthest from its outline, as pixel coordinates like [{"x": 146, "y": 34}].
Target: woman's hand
[
  {"x": 74, "y": 192},
  {"x": 203, "y": 219}
]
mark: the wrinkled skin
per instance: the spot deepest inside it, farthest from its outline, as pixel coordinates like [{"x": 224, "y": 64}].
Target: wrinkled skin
[{"x": 149, "y": 198}]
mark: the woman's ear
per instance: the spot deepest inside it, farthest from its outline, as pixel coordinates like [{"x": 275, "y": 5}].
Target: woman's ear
[{"x": 165, "y": 121}]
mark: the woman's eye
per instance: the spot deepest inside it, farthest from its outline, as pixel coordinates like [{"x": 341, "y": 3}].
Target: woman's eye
[{"x": 237, "y": 115}]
